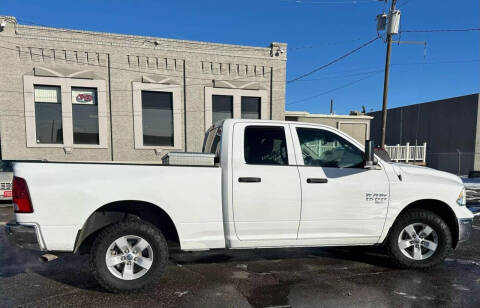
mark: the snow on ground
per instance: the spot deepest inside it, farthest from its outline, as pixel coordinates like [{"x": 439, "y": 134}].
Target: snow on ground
[
  {"x": 472, "y": 187},
  {"x": 471, "y": 182}
]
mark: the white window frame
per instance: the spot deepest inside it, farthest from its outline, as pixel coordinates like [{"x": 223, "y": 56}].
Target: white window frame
[
  {"x": 138, "y": 87},
  {"x": 65, "y": 84},
  {"x": 237, "y": 102}
]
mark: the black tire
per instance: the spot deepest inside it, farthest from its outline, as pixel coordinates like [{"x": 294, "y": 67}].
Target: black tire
[
  {"x": 429, "y": 218},
  {"x": 107, "y": 236}
]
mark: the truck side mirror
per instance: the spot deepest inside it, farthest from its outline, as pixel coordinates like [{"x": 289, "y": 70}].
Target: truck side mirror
[{"x": 370, "y": 160}]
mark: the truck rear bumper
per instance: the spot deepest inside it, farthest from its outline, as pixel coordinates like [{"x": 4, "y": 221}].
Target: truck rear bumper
[{"x": 24, "y": 236}]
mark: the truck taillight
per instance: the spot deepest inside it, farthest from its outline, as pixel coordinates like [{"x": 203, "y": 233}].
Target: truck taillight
[{"x": 21, "y": 196}]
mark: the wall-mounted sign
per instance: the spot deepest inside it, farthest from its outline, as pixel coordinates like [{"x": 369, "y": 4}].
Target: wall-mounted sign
[
  {"x": 84, "y": 96},
  {"x": 47, "y": 94}
]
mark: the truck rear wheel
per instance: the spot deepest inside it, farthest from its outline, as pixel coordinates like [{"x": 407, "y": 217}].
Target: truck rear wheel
[
  {"x": 128, "y": 256},
  {"x": 419, "y": 239}
]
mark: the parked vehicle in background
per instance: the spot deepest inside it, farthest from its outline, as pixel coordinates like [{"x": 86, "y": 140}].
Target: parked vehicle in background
[
  {"x": 6, "y": 175},
  {"x": 271, "y": 184}
]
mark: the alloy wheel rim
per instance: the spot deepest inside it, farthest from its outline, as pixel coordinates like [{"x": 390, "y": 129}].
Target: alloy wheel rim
[
  {"x": 418, "y": 241},
  {"x": 129, "y": 257}
]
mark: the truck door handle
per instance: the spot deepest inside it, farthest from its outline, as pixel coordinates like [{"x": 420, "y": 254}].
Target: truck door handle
[
  {"x": 317, "y": 181},
  {"x": 249, "y": 180}
]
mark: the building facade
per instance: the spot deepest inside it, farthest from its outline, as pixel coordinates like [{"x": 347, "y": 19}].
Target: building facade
[
  {"x": 357, "y": 126},
  {"x": 450, "y": 127},
  {"x": 88, "y": 96}
]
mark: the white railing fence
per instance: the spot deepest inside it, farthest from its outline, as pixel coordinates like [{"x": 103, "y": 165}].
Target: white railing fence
[{"x": 407, "y": 153}]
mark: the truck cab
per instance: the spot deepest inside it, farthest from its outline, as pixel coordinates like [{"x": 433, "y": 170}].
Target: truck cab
[{"x": 299, "y": 184}]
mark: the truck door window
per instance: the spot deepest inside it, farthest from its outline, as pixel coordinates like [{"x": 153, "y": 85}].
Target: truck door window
[
  {"x": 265, "y": 145},
  {"x": 325, "y": 149}
]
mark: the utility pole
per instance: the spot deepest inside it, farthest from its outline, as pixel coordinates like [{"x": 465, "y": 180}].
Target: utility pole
[{"x": 387, "y": 74}]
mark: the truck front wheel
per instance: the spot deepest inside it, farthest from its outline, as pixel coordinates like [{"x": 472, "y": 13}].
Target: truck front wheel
[
  {"x": 419, "y": 239},
  {"x": 128, "y": 256}
]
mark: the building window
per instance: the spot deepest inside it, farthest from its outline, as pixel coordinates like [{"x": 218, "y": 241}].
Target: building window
[
  {"x": 227, "y": 103},
  {"x": 48, "y": 114},
  {"x": 222, "y": 107},
  {"x": 157, "y": 116},
  {"x": 65, "y": 112},
  {"x": 85, "y": 116},
  {"x": 251, "y": 107}
]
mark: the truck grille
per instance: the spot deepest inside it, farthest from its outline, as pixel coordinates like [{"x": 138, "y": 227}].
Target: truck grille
[{"x": 5, "y": 186}]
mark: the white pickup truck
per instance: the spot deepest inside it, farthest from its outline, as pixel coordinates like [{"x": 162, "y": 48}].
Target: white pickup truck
[{"x": 273, "y": 184}]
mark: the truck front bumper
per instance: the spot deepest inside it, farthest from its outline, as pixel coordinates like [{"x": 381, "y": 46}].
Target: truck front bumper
[
  {"x": 464, "y": 229},
  {"x": 23, "y": 236}
]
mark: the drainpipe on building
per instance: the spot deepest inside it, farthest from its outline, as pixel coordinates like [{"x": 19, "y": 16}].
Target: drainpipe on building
[
  {"x": 110, "y": 106},
  {"x": 184, "y": 106},
  {"x": 271, "y": 93}
]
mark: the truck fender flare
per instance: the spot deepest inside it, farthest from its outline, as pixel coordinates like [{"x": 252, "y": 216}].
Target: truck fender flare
[{"x": 117, "y": 211}]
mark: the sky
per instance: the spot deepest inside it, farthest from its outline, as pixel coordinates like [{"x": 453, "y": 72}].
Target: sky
[{"x": 316, "y": 31}]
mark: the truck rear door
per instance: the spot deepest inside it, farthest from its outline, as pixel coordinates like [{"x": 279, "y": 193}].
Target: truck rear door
[{"x": 266, "y": 185}]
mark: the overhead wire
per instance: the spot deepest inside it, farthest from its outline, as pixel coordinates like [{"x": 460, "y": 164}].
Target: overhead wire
[
  {"x": 442, "y": 30},
  {"x": 114, "y": 36},
  {"x": 331, "y": 90},
  {"x": 332, "y": 2},
  {"x": 333, "y": 61}
]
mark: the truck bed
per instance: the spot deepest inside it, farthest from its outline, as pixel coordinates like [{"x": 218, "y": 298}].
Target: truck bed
[{"x": 64, "y": 195}]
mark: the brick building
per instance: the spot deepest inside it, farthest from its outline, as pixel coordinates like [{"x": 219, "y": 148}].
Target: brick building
[{"x": 89, "y": 96}]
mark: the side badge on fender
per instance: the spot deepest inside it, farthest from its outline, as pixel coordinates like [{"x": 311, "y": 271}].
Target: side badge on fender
[{"x": 376, "y": 197}]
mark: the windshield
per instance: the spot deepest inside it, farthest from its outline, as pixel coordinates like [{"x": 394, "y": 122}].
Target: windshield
[{"x": 6, "y": 166}]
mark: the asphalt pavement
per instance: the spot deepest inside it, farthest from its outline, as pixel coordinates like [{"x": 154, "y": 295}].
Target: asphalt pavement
[{"x": 304, "y": 277}]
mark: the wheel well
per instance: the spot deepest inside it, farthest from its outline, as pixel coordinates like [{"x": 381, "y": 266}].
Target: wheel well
[
  {"x": 117, "y": 211},
  {"x": 441, "y": 209}
]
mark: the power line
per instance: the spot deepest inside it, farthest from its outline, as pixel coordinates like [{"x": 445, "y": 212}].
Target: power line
[
  {"x": 402, "y": 4},
  {"x": 341, "y": 76},
  {"x": 332, "y": 2},
  {"x": 292, "y": 48},
  {"x": 332, "y": 90},
  {"x": 381, "y": 70},
  {"x": 367, "y": 70},
  {"x": 333, "y": 61},
  {"x": 442, "y": 30},
  {"x": 115, "y": 36}
]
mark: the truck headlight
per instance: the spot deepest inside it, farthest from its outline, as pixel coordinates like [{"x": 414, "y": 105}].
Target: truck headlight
[{"x": 462, "y": 200}]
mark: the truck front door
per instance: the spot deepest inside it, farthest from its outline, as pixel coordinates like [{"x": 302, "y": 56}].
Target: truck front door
[
  {"x": 342, "y": 202},
  {"x": 266, "y": 185}
]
